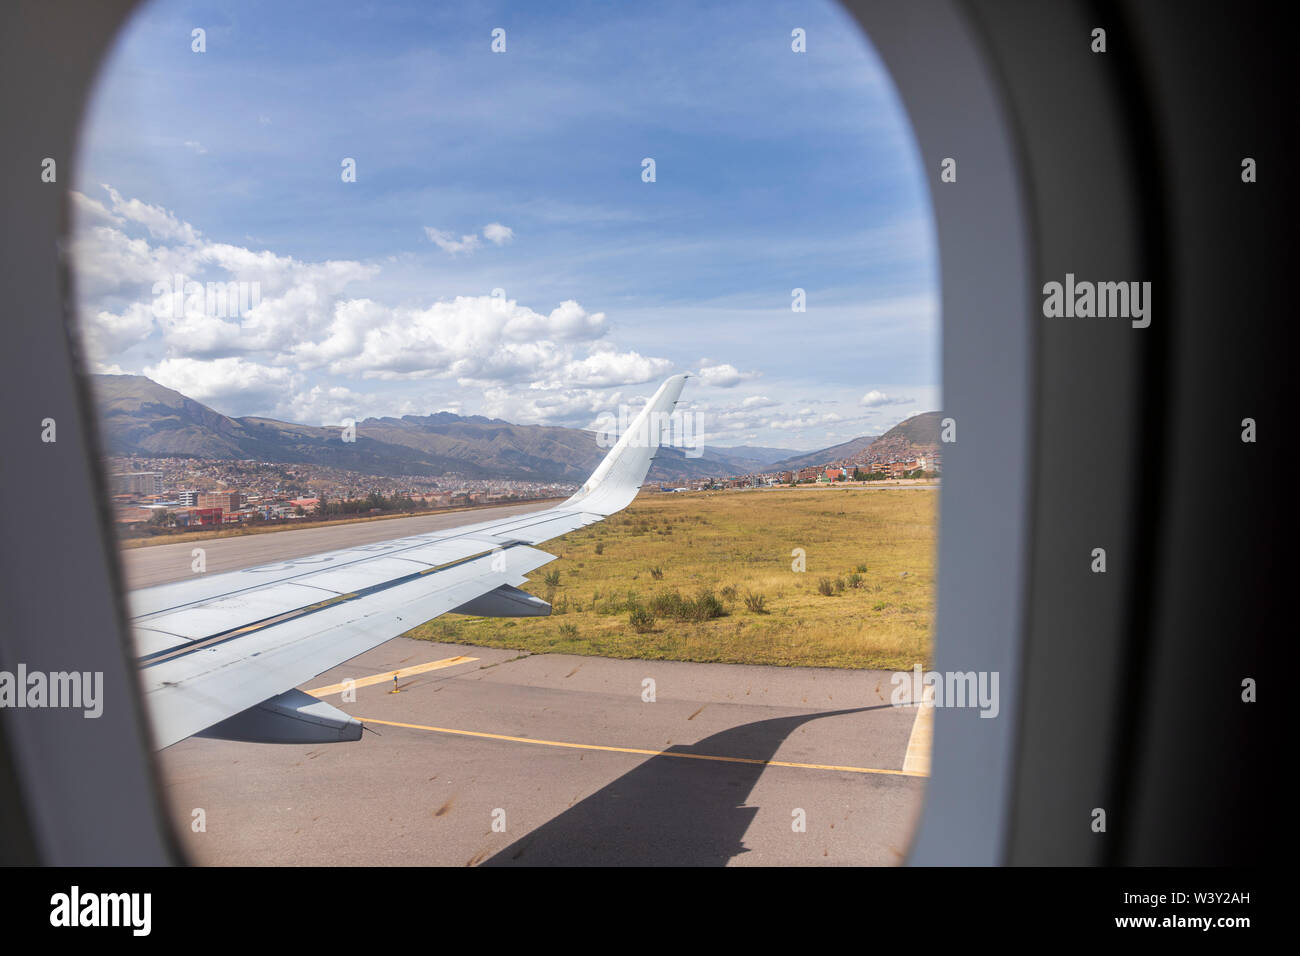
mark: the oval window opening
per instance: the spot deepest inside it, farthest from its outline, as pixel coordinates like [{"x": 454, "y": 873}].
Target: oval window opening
[{"x": 386, "y": 313}]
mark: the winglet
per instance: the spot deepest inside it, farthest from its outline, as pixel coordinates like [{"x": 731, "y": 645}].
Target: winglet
[{"x": 618, "y": 478}]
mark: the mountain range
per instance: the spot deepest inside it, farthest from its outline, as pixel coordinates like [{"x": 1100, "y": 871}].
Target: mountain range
[{"x": 140, "y": 417}]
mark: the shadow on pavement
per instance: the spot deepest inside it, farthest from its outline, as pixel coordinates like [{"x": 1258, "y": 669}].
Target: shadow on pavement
[{"x": 669, "y": 811}]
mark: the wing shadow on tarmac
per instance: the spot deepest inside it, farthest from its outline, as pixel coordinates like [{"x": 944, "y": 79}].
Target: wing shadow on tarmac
[{"x": 669, "y": 811}]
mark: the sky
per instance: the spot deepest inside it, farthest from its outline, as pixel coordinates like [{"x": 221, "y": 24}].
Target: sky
[{"x": 500, "y": 252}]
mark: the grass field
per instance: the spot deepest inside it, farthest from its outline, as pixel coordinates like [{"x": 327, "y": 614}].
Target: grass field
[{"x": 708, "y": 576}]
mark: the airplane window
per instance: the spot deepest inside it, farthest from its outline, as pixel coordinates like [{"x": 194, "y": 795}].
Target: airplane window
[{"x": 434, "y": 556}]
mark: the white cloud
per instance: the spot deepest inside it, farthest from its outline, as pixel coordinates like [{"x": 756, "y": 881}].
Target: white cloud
[
  {"x": 493, "y": 232},
  {"x": 476, "y": 339},
  {"x": 291, "y": 354},
  {"x": 196, "y": 146},
  {"x": 723, "y": 376},
  {"x": 324, "y": 405},
  {"x": 876, "y": 398},
  {"x": 805, "y": 419},
  {"x": 605, "y": 367},
  {"x": 110, "y": 333},
  {"x": 91, "y": 211},
  {"x": 236, "y": 386},
  {"x": 119, "y": 276},
  {"x": 567, "y": 321},
  {"x": 566, "y": 406},
  {"x": 448, "y": 242},
  {"x": 161, "y": 223}
]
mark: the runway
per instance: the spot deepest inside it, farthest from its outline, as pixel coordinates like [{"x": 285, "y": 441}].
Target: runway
[
  {"x": 561, "y": 760},
  {"x": 163, "y": 563}
]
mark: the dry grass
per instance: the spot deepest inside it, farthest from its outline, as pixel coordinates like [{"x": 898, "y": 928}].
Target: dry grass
[{"x": 735, "y": 545}]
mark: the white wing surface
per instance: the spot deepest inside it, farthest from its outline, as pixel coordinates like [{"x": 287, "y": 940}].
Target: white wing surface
[{"x": 222, "y": 654}]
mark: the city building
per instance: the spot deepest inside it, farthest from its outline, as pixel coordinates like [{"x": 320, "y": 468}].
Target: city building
[
  {"x": 227, "y": 501},
  {"x": 136, "y": 483}
]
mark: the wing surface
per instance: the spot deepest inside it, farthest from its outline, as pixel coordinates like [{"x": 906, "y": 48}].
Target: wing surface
[{"x": 219, "y": 645}]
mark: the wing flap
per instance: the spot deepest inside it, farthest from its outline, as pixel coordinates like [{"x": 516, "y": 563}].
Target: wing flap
[{"x": 230, "y": 611}]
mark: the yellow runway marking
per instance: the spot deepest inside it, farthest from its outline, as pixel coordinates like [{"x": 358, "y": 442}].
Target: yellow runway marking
[
  {"x": 401, "y": 672},
  {"x": 921, "y": 741},
  {"x": 646, "y": 753}
]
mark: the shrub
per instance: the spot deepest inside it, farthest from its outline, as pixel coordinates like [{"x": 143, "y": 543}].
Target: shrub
[
  {"x": 657, "y": 573},
  {"x": 826, "y": 586},
  {"x": 600, "y": 547},
  {"x": 613, "y": 603},
  {"x": 642, "y": 620},
  {"x": 855, "y": 580},
  {"x": 671, "y": 604},
  {"x": 706, "y": 607},
  {"x": 862, "y": 569},
  {"x": 569, "y": 630},
  {"x": 756, "y": 603},
  {"x": 729, "y": 592},
  {"x": 553, "y": 578}
]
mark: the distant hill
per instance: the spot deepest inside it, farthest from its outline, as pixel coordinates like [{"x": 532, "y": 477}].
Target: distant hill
[
  {"x": 758, "y": 454},
  {"x": 918, "y": 435},
  {"x": 141, "y": 417},
  {"x": 824, "y": 455}
]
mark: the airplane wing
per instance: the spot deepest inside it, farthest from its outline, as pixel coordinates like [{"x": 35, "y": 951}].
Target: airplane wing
[{"x": 221, "y": 655}]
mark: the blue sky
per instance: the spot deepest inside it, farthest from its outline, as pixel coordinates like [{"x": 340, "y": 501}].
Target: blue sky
[{"x": 518, "y": 172}]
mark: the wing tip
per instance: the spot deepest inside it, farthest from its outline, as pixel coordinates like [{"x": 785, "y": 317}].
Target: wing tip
[{"x": 611, "y": 487}]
